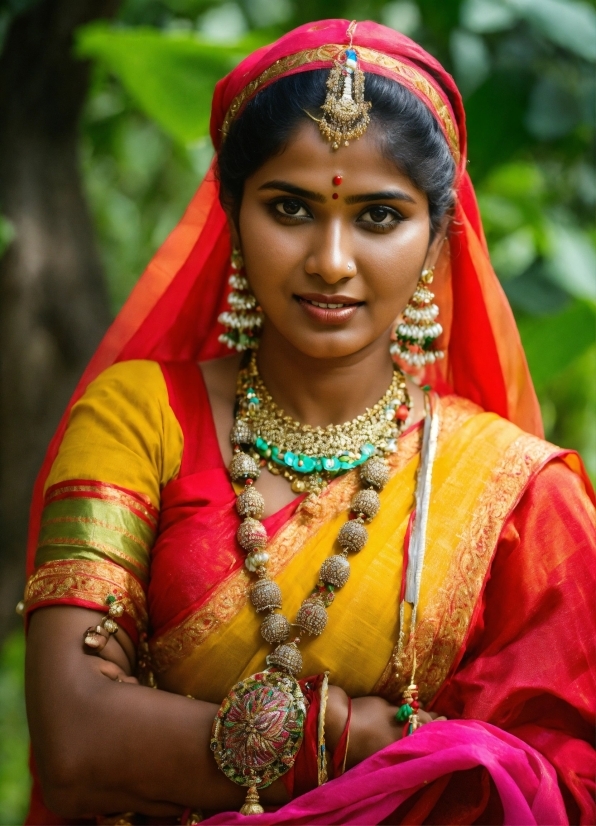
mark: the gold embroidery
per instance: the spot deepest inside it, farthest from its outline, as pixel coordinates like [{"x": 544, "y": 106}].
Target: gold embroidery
[
  {"x": 88, "y": 542},
  {"x": 88, "y": 520},
  {"x": 106, "y": 493},
  {"x": 441, "y": 631},
  {"x": 67, "y": 579},
  {"x": 231, "y": 595},
  {"x": 408, "y": 75}
]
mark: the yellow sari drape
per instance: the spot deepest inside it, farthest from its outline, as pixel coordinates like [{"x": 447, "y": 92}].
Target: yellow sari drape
[{"x": 483, "y": 464}]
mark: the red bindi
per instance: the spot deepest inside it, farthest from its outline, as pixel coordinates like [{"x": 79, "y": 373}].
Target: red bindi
[
  {"x": 335, "y": 196},
  {"x": 337, "y": 180}
]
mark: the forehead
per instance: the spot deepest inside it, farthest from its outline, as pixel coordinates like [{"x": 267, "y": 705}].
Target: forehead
[{"x": 308, "y": 157}]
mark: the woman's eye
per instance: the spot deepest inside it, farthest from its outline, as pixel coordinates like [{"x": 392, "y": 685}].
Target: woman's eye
[
  {"x": 380, "y": 215},
  {"x": 291, "y": 209}
]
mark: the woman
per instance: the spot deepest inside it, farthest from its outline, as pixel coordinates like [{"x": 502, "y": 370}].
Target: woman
[{"x": 343, "y": 191}]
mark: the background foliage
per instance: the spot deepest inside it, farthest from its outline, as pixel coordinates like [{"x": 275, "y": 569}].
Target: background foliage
[{"x": 526, "y": 69}]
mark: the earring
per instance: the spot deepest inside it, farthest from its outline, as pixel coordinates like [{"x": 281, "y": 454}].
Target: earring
[
  {"x": 418, "y": 330},
  {"x": 244, "y": 319}
]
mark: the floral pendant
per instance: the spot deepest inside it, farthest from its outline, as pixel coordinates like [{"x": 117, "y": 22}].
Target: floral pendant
[{"x": 258, "y": 731}]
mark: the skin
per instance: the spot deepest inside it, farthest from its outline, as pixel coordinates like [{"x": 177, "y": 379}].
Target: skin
[{"x": 102, "y": 742}]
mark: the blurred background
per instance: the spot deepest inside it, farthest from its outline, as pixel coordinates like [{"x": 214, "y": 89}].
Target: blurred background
[{"x": 104, "y": 108}]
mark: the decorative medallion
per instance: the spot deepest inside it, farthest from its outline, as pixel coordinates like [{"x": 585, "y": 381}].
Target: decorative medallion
[{"x": 258, "y": 729}]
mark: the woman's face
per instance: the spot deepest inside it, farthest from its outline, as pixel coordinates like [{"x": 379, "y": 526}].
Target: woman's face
[{"x": 310, "y": 241}]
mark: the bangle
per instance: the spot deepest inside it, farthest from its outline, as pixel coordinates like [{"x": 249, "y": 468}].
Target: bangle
[{"x": 310, "y": 767}]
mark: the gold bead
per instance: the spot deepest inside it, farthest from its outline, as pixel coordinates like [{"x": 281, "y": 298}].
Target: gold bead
[
  {"x": 110, "y": 626},
  {"x": 265, "y": 595},
  {"x": 298, "y": 485},
  {"x": 116, "y": 609},
  {"x": 287, "y": 657},
  {"x": 375, "y": 472},
  {"x": 251, "y": 805},
  {"x": 312, "y": 616},
  {"x": 250, "y": 503},
  {"x": 335, "y": 570},
  {"x": 275, "y": 628},
  {"x": 251, "y": 535},
  {"x": 366, "y": 502},
  {"x": 352, "y": 536},
  {"x": 243, "y": 467},
  {"x": 241, "y": 433}
]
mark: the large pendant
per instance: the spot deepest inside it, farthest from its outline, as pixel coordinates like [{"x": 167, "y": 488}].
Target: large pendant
[{"x": 258, "y": 731}]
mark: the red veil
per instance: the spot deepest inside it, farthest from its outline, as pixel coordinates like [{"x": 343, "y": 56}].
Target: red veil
[{"x": 172, "y": 312}]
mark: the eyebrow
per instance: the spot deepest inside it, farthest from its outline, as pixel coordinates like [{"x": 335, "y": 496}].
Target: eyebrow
[
  {"x": 284, "y": 186},
  {"x": 385, "y": 195}
]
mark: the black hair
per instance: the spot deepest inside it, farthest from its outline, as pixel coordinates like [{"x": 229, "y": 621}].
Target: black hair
[{"x": 409, "y": 135}]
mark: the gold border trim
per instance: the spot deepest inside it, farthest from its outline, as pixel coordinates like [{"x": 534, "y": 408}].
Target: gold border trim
[
  {"x": 329, "y": 53},
  {"x": 440, "y": 634},
  {"x": 230, "y": 596},
  {"x": 67, "y": 580}
]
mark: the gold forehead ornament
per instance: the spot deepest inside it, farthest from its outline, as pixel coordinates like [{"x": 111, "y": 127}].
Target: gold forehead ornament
[{"x": 345, "y": 111}]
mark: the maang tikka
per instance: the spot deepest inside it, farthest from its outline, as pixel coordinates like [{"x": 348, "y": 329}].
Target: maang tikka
[
  {"x": 415, "y": 335},
  {"x": 345, "y": 111},
  {"x": 244, "y": 318}
]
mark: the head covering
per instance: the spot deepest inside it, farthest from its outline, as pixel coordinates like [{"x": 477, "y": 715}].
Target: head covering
[{"x": 172, "y": 312}]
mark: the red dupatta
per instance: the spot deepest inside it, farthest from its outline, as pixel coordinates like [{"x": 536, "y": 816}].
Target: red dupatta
[{"x": 172, "y": 312}]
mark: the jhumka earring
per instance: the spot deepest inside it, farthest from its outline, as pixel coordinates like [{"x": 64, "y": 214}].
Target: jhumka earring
[
  {"x": 244, "y": 318},
  {"x": 415, "y": 335},
  {"x": 345, "y": 115}
]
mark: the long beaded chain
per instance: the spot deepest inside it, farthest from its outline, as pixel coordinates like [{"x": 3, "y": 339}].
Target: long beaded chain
[
  {"x": 261, "y": 701},
  {"x": 265, "y": 594}
]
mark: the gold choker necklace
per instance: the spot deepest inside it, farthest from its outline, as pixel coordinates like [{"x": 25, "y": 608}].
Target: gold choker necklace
[{"x": 309, "y": 457}]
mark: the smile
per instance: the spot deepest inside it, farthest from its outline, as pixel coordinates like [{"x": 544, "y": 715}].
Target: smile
[
  {"x": 328, "y": 312},
  {"x": 326, "y": 306}
]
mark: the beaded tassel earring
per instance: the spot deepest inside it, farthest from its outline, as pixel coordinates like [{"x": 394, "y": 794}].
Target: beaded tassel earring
[
  {"x": 418, "y": 330},
  {"x": 244, "y": 319}
]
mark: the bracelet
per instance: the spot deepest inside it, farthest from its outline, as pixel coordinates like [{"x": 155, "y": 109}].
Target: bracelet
[{"x": 96, "y": 636}]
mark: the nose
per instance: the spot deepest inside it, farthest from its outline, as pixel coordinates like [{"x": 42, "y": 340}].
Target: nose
[{"x": 331, "y": 256}]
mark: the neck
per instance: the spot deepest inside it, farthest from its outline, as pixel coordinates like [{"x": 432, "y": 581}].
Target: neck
[{"x": 323, "y": 391}]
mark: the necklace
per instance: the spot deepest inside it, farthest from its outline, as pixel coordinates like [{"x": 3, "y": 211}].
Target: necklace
[
  {"x": 258, "y": 729},
  {"x": 309, "y": 457}
]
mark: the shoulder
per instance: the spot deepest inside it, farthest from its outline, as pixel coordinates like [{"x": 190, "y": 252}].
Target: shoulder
[{"x": 134, "y": 378}]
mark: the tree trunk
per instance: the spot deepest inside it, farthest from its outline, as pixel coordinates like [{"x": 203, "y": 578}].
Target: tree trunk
[{"x": 53, "y": 302}]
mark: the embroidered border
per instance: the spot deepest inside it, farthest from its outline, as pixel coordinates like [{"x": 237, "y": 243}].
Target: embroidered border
[
  {"x": 329, "y": 53},
  {"x": 100, "y": 528},
  {"x": 86, "y": 581},
  {"x": 89, "y": 489},
  {"x": 232, "y": 594},
  {"x": 441, "y": 632}
]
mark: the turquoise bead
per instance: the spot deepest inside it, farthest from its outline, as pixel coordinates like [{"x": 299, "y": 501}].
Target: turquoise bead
[
  {"x": 289, "y": 458},
  {"x": 331, "y": 463},
  {"x": 261, "y": 444},
  {"x": 307, "y": 466}
]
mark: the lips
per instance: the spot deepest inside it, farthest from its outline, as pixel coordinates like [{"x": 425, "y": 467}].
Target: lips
[{"x": 329, "y": 309}]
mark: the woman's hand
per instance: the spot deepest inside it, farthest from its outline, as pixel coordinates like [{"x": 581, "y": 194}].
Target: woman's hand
[{"x": 373, "y": 726}]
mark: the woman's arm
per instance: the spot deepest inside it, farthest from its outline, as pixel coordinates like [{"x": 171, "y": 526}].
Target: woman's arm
[
  {"x": 104, "y": 746},
  {"x": 103, "y": 743}
]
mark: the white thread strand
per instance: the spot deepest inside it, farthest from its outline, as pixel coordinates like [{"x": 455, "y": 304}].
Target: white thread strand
[{"x": 423, "y": 490}]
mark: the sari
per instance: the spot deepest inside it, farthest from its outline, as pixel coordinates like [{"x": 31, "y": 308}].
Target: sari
[{"x": 134, "y": 498}]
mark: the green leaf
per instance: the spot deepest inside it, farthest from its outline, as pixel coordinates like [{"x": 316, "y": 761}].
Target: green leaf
[
  {"x": 567, "y": 23},
  {"x": 572, "y": 264},
  {"x": 171, "y": 76},
  {"x": 484, "y": 16},
  {"x": 553, "y": 342}
]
